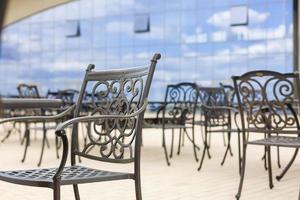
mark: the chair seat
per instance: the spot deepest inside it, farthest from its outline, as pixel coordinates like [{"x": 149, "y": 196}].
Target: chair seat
[
  {"x": 167, "y": 126},
  {"x": 70, "y": 175},
  {"x": 283, "y": 141},
  {"x": 158, "y": 123}
]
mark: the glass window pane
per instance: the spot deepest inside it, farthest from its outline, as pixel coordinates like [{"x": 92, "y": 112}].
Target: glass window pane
[
  {"x": 72, "y": 28},
  {"x": 172, "y": 27},
  {"x": 141, "y": 23},
  {"x": 238, "y": 15}
]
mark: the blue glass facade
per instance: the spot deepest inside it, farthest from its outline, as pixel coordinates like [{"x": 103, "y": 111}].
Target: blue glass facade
[{"x": 195, "y": 38}]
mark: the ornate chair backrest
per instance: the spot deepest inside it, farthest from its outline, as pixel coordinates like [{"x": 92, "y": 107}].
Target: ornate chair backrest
[
  {"x": 181, "y": 102},
  {"x": 230, "y": 93},
  {"x": 28, "y": 91},
  {"x": 212, "y": 100},
  {"x": 116, "y": 92},
  {"x": 266, "y": 100}
]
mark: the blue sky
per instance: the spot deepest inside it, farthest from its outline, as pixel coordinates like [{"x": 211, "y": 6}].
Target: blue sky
[{"x": 195, "y": 38}]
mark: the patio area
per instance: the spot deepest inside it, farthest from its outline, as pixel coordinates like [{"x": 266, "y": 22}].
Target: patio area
[{"x": 181, "y": 180}]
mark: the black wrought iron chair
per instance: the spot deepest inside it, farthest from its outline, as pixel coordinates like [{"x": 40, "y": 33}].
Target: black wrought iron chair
[
  {"x": 118, "y": 119},
  {"x": 177, "y": 113},
  {"x": 217, "y": 117},
  {"x": 270, "y": 113}
]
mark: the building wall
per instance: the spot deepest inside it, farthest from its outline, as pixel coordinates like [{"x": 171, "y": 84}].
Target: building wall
[{"x": 195, "y": 38}]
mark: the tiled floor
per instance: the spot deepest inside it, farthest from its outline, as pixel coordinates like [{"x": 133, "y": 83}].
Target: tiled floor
[{"x": 180, "y": 181}]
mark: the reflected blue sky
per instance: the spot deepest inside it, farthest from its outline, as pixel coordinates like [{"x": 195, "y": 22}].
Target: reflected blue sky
[{"x": 194, "y": 37}]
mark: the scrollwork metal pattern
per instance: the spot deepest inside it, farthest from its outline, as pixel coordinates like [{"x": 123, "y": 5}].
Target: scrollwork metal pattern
[
  {"x": 267, "y": 98},
  {"x": 28, "y": 91},
  {"x": 112, "y": 139},
  {"x": 181, "y": 102},
  {"x": 212, "y": 100}
]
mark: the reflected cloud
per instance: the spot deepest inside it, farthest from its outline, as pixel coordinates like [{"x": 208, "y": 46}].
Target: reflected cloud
[{"x": 222, "y": 19}]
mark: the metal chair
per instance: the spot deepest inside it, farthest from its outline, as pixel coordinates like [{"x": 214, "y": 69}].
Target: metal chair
[
  {"x": 117, "y": 119},
  {"x": 217, "y": 117},
  {"x": 270, "y": 113},
  {"x": 28, "y": 91},
  {"x": 177, "y": 113}
]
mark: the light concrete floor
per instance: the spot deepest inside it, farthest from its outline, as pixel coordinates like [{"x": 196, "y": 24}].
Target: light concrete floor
[{"x": 180, "y": 181}]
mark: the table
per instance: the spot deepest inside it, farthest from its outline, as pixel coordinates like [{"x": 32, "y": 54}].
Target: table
[
  {"x": 12, "y": 104},
  {"x": 29, "y": 103}
]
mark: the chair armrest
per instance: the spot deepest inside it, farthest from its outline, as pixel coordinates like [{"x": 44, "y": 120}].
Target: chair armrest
[
  {"x": 63, "y": 136},
  {"x": 65, "y": 124},
  {"x": 38, "y": 118}
]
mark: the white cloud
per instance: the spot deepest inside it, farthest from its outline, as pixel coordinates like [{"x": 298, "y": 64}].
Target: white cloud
[
  {"x": 258, "y": 48},
  {"x": 241, "y": 32},
  {"x": 257, "y": 17},
  {"x": 222, "y": 19},
  {"x": 277, "y": 32},
  {"x": 219, "y": 36}
]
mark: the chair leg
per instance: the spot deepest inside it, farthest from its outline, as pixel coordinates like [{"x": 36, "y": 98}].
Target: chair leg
[
  {"x": 288, "y": 166},
  {"x": 225, "y": 155},
  {"x": 230, "y": 151},
  {"x": 26, "y": 139},
  {"x": 165, "y": 149},
  {"x": 10, "y": 132},
  {"x": 56, "y": 192},
  {"x": 208, "y": 152},
  {"x": 202, "y": 133},
  {"x": 270, "y": 167},
  {"x": 278, "y": 158},
  {"x": 227, "y": 149},
  {"x": 238, "y": 195},
  {"x": 208, "y": 143},
  {"x": 194, "y": 145},
  {"x": 43, "y": 148},
  {"x": 179, "y": 142},
  {"x": 209, "y": 140},
  {"x": 47, "y": 142},
  {"x": 202, "y": 158},
  {"x": 138, "y": 189},
  {"x": 192, "y": 140},
  {"x": 224, "y": 140},
  {"x": 204, "y": 151},
  {"x": 6, "y": 136},
  {"x": 239, "y": 152},
  {"x": 172, "y": 144},
  {"x": 264, "y": 158},
  {"x": 76, "y": 192},
  {"x": 183, "y": 136}
]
